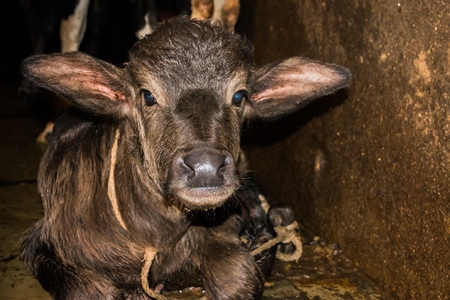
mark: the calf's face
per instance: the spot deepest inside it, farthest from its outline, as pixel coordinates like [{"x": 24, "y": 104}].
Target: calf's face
[
  {"x": 186, "y": 90},
  {"x": 190, "y": 84}
]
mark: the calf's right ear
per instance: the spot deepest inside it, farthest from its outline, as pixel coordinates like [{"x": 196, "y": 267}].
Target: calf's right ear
[
  {"x": 283, "y": 87},
  {"x": 88, "y": 83}
]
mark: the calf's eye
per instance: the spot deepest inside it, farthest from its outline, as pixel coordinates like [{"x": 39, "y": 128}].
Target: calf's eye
[
  {"x": 149, "y": 99},
  {"x": 238, "y": 97}
]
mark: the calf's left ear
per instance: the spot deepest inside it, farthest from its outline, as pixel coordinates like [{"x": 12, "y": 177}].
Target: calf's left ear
[
  {"x": 283, "y": 87},
  {"x": 88, "y": 83}
]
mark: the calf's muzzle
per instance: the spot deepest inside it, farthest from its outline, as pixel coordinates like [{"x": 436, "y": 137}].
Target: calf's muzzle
[
  {"x": 203, "y": 177},
  {"x": 205, "y": 169}
]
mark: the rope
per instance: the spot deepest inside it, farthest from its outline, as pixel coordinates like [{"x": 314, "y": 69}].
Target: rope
[
  {"x": 285, "y": 235},
  {"x": 111, "y": 182},
  {"x": 149, "y": 255}
]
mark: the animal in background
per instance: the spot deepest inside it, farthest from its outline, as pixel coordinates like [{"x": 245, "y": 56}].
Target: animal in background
[
  {"x": 149, "y": 157},
  {"x": 226, "y": 11}
]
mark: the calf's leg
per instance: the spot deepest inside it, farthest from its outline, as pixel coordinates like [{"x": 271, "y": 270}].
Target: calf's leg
[
  {"x": 61, "y": 280},
  {"x": 229, "y": 272}
]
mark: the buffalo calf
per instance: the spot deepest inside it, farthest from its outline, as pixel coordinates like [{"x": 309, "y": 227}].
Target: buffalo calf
[{"x": 149, "y": 157}]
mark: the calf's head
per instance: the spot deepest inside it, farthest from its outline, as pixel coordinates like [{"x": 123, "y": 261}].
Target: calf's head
[{"x": 186, "y": 90}]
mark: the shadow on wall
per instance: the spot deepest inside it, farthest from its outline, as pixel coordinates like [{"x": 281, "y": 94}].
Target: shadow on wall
[{"x": 264, "y": 133}]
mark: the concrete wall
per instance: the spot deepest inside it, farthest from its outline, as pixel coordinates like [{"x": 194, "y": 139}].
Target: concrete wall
[{"x": 368, "y": 167}]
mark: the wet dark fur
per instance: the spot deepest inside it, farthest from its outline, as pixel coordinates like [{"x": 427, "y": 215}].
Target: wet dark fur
[
  {"x": 107, "y": 268},
  {"x": 80, "y": 250}
]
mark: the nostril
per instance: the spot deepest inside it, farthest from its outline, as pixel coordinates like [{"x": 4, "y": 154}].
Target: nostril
[
  {"x": 222, "y": 167},
  {"x": 204, "y": 169},
  {"x": 186, "y": 168},
  {"x": 204, "y": 162}
]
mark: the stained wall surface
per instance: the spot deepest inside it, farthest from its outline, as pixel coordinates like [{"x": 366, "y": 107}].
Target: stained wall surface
[{"x": 367, "y": 167}]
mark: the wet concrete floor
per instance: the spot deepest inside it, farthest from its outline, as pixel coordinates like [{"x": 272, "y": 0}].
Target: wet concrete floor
[{"x": 323, "y": 272}]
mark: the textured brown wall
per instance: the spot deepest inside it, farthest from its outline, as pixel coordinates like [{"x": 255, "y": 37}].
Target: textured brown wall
[{"x": 368, "y": 167}]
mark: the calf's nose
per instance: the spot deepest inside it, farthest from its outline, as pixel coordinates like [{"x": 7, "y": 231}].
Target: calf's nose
[{"x": 205, "y": 169}]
